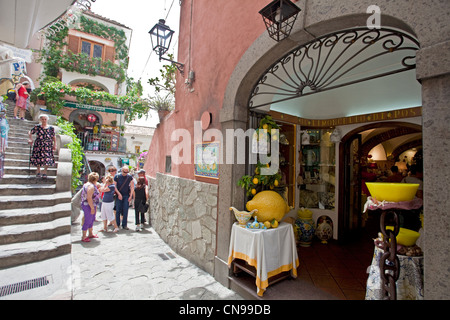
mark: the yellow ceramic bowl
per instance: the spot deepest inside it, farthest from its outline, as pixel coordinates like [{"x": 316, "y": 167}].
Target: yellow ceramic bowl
[
  {"x": 406, "y": 237},
  {"x": 392, "y": 192}
]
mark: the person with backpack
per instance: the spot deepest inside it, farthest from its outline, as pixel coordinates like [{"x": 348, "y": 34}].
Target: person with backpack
[
  {"x": 140, "y": 202},
  {"x": 124, "y": 190}
]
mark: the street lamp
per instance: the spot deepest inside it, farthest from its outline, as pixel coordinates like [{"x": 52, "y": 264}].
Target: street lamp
[
  {"x": 279, "y": 17},
  {"x": 161, "y": 37}
]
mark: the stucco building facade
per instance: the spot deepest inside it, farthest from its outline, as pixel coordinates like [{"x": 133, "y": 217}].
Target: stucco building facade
[{"x": 227, "y": 48}]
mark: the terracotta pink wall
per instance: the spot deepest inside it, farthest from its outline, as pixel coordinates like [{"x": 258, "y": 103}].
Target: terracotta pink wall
[{"x": 213, "y": 37}]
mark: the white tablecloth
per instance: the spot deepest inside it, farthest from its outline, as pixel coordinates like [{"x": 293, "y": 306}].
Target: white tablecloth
[
  {"x": 270, "y": 251},
  {"x": 410, "y": 281}
]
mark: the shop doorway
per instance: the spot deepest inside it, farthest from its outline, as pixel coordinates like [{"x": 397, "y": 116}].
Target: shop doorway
[
  {"x": 361, "y": 161},
  {"x": 98, "y": 167}
]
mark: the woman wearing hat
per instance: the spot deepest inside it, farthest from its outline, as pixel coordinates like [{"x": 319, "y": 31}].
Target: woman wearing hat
[{"x": 44, "y": 145}]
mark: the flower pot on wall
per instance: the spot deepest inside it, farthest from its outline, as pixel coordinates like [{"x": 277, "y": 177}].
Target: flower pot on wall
[{"x": 162, "y": 114}]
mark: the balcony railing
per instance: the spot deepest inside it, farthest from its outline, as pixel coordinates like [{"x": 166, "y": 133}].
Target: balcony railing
[{"x": 106, "y": 142}]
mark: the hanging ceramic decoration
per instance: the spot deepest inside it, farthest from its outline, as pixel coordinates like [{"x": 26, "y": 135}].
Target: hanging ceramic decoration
[
  {"x": 305, "y": 227},
  {"x": 92, "y": 118},
  {"x": 324, "y": 229}
]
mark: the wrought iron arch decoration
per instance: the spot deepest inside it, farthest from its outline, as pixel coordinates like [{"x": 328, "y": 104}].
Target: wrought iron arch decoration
[{"x": 332, "y": 61}]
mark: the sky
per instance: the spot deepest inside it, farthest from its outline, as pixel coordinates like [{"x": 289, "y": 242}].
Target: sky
[{"x": 141, "y": 16}]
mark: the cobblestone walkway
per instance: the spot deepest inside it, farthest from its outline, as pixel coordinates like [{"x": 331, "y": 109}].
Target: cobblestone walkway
[{"x": 132, "y": 265}]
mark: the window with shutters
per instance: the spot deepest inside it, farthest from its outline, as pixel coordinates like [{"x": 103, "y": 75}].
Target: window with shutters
[{"x": 92, "y": 49}]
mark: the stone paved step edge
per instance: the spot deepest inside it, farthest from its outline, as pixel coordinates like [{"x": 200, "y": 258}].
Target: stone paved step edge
[
  {"x": 21, "y": 155},
  {"x": 15, "y": 170},
  {"x": 22, "y": 163},
  {"x": 16, "y": 254},
  {"x": 33, "y": 201},
  {"x": 34, "y": 232},
  {"x": 35, "y": 215},
  {"x": 26, "y": 189},
  {"x": 25, "y": 179}
]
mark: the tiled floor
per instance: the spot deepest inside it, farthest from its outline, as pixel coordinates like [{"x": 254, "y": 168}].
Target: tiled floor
[
  {"x": 340, "y": 270},
  {"x": 326, "y": 272}
]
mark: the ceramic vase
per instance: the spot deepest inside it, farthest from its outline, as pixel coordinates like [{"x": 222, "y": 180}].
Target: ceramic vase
[
  {"x": 324, "y": 229},
  {"x": 305, "y": 229}
]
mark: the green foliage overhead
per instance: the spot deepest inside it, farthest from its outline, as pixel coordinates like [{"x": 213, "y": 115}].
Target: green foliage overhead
[{"x": 54, "y": 92}]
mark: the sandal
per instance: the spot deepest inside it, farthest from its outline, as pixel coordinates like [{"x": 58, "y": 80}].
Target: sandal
[
  {"x": 44, "y": 176},
  {"x": 38, "y": 175},
  {"x": 116, "y": 230},
  {"x": 93, "y": 236},
  {"x": 86, "y": 240}
]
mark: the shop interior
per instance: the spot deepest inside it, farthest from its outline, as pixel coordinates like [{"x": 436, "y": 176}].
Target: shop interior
[
  {"x": 310, "y": 164},
  {"x": 343, "y": 107}
]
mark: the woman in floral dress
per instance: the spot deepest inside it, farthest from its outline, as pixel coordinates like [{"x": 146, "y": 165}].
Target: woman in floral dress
[{"x": 44, "y": 145}]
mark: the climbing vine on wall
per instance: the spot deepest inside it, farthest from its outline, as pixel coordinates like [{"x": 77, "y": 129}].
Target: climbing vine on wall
[{"x": 53, "y": 57}]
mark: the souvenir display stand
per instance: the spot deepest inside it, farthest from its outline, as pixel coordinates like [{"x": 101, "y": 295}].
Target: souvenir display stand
[{"x": 268, "y": 255}]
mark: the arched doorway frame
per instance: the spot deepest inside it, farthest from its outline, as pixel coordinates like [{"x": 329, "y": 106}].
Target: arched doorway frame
[
  {"x": 343, "y": 229},
  {"x": 75, "y": 113},
  {"x": 97, "y": 166},
  {"x": 234, "y": 113}
]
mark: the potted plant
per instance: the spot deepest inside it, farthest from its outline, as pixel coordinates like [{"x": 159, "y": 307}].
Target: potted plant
[{"x": 162, "y": 104}]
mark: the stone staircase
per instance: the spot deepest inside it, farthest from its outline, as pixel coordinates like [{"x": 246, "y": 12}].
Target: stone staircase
[{"x": 35, "y": 221}]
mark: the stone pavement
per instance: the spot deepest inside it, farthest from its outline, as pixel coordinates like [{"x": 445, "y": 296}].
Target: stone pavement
[{"x": 132, "y": 265}]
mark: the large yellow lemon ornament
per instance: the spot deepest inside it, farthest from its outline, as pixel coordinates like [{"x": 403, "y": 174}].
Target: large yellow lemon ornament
[{"x": 270, "y": 205}]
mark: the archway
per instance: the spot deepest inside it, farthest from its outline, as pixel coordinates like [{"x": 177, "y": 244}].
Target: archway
[
  {"x": 89, "y": 84},
  {"x": 98, "y": 167},
  {"x": 255, "y": 62},
  {"x": 80, "y": 116}
]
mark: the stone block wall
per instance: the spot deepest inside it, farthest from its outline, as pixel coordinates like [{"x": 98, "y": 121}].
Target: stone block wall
[{"x": 184, "y": 213}]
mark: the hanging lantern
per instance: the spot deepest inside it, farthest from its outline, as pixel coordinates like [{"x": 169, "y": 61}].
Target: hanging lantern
[
  {"x": 92, "y": 118},
  {"x": 161, "y": 37},
  {"x": 279, "y": 17}
]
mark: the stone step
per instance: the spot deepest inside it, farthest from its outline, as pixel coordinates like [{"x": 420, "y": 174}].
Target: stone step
[
  {"x": 14, "y": 138},
  {"x": 16, "y": 254},
  {"x": 18, "y": 132},
  {"x": 35, "y": 215},
  {"x": 20, "y": 156},
  {"x": 18, "y": 144},
  {"x": 34, "y": 201},
  {"x": 34, "y": 232},
  {"x": 26, "y": 189},
  {"x": 22, "y": 163},
  {"x": 22, "y": 149},
  {"x": 28, "y": 123},
  {"x": 19, "y": 170},
  {"x": 26, "y": 180}
]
